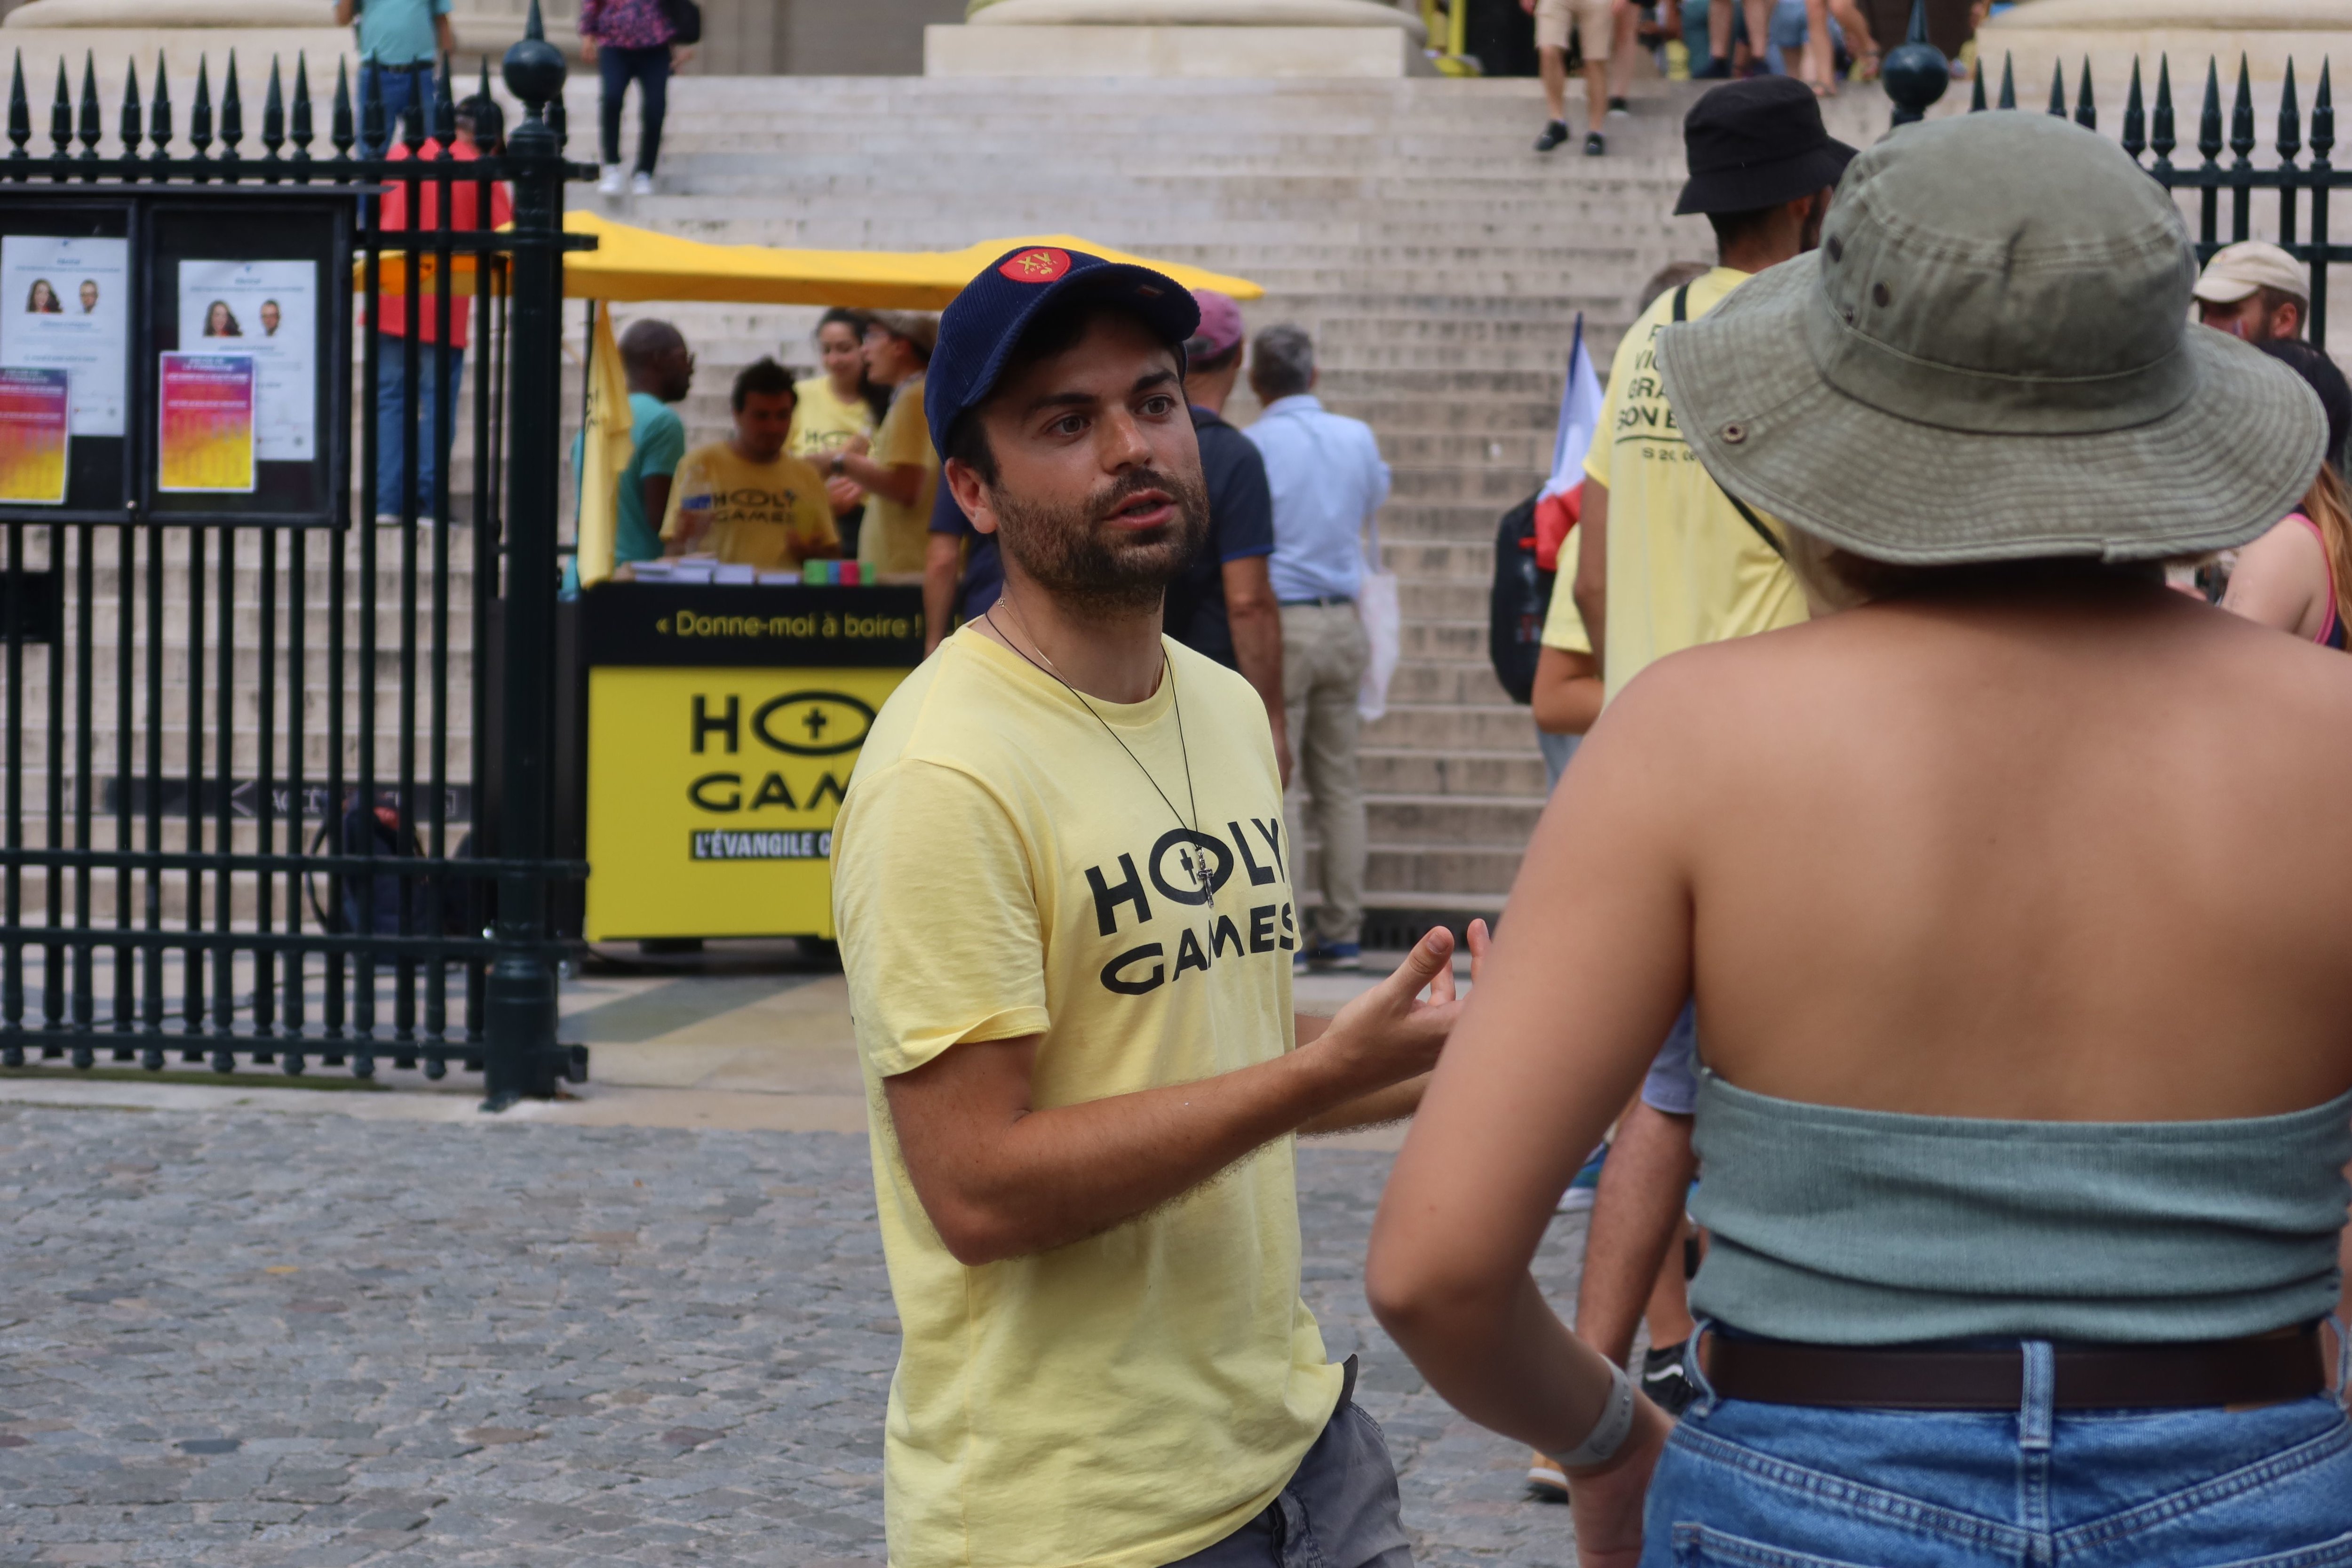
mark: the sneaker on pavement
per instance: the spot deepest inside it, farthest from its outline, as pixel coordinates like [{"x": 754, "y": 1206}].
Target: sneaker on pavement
[
  {"x": 1665, "y": 1381},
  {"x": 1595, "y": 145},
  {"x": 1619, "y": 106},
  {"x": 609, "y": 182},
  {"x": 1553, "y": 135},
  {"x": 1587, "y": 1185},
  {"x": 641, "y": 183},
  {"x": 1329, "y": 955},
  {"x": 1546, "y": 1482}
]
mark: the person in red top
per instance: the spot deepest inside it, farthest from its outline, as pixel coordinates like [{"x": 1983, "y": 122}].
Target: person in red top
[{"x": 481, "y": 128}]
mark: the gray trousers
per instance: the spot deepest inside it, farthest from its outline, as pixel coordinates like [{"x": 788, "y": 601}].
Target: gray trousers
[
  {"x": 1324, "y": 651},
  {"x": 1339, "y": 1509}
]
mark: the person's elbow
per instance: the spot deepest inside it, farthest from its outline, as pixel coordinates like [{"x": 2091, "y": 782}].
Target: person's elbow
[
  {"x": 976, "y": 1233},
  {"x": 1423, "y": 1292}
]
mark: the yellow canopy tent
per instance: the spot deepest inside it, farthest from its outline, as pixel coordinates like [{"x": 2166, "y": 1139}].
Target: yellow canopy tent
[{"x": 637, "y": 264}]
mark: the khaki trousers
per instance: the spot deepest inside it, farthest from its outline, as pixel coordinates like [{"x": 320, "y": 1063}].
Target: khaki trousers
[{"x": 1323, "y": 656}]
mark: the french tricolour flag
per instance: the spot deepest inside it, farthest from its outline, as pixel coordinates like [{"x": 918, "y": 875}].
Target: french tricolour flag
[{"x": 1561, "y": 501}]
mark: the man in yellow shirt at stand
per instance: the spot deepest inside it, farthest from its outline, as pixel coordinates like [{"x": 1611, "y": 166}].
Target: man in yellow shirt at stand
[
  {"x": 1668, "y": 561},
  {"x": 746, "y": 499},
  {"x": 1064, "y": 897}
]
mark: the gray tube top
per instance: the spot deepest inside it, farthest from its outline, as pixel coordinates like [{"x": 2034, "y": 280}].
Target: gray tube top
[{"x": 1839, "y": 1227}]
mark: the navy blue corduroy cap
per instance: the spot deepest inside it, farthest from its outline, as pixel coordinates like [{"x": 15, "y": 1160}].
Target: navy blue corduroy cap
[{"x": 977, "y": 332}]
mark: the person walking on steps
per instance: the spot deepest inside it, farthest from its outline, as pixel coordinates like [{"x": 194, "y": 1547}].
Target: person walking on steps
[
  {"x": 1594, "y": 24},
  {"x": 630, "y": 40}
]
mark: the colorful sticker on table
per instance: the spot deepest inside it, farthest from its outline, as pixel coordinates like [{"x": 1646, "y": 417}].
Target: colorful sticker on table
[
  {"x": 36, "y": 405},
  {"x": 65, "y": 304},
  {"x": 205, "y": 410},
  {"x": 268, "y": 310}
]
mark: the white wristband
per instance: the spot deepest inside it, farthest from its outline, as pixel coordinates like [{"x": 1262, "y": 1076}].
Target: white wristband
[{"x": 1609, "y": 1433}]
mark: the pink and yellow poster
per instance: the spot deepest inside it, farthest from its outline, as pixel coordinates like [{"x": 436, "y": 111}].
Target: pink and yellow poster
[
  {"x": 204, "y": 409},
  {"x": 35, "y": 405}
]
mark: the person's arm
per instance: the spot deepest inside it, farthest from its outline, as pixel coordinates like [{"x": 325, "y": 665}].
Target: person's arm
[
  {"x": 443, "y": 34},
  {"x": 654, "y": 489},
  {"x": 1256, "y": 625},
  {"x": 942, "y": 568},
  {"x": 1567, "y": 695},
  {"x": 1000, "y": 1178},
  {"x": 1591, "y": 587},
  {"x": 1585, "y": 980},
  {"x": 2280, "y": 580},
  {"x": 900, "y": 482},
  {"x": 345, "y": 11},
  {"x": 662, "y": 450}
]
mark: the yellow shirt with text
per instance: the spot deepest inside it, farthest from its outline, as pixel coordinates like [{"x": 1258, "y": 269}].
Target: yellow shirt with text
[
  {"x": 1003, "y": 867},
  {"x": 822, "y": 423},
  {"x": 1684, "y": 568},
  {"x": 895, "y": 538},
  {"x": 769, "y": 515}
]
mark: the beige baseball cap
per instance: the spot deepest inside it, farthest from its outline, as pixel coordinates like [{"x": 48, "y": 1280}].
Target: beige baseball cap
[{"x": 2237, "y": 271}]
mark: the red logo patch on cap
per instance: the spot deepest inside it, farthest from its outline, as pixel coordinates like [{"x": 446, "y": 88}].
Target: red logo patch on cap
[{"x": 1040, "y": 266}]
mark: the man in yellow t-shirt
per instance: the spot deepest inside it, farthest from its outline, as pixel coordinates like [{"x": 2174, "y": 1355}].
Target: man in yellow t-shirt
[
  {"x": 900, "y": 475},
  {"x": 1670, "y": 562},
  {"x": 744, "y": 498},
  {"x": 1064, "y": 897}
]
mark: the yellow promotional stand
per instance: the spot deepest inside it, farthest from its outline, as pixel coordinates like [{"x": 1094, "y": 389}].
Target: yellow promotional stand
[
  {"x": 723, "y": 722},
  {"x": 713, "y": 726}
]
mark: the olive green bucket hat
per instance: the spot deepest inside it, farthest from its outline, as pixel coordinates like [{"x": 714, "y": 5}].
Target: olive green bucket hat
[{"x": 1989, "y": 358}]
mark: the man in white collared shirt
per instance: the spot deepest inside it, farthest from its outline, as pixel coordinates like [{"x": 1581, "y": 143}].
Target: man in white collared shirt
[{"x": 1327, "y": 480}]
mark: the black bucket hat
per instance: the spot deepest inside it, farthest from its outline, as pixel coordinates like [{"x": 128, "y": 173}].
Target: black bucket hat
[{"x": 1758, "y": 144}]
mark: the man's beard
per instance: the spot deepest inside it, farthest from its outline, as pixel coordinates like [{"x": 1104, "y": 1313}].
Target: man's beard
[{"x": 1065, "y": 550}]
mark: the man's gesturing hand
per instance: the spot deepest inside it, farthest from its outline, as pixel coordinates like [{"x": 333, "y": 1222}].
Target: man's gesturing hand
[{"x": 1389, "y": 1033}]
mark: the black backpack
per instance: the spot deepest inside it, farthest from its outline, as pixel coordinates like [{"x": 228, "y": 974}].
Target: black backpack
[
  {"x": 685, "y": 21},
  {"x": 1521, "y": 598}
]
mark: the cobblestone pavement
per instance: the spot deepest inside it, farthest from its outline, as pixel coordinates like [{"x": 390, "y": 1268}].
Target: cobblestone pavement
[{"x": 232, "y": 1338}]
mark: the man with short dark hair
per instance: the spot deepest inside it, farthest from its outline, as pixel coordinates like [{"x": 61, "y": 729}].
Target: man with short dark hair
[
  {"x": 1668, "y": 561},
  {"x": 2255, "y": 291},
  {"x": 1062, "y": 891},
  {"x": 660, "y": 372},
  {"x": 746, "y": 499},
  {"x": 1329, "y": 483}
]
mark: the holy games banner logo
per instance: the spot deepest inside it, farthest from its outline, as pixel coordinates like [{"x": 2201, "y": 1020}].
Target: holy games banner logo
[{"x": 725, "y": 845}]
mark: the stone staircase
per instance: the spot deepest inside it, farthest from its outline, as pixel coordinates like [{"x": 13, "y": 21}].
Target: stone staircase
[{"x": 1439, "y": 263}]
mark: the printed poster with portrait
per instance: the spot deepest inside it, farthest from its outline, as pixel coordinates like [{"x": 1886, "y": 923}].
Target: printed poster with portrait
[
  {"x": 65, "y": 304},
  {"x": 268, "y": 310}
]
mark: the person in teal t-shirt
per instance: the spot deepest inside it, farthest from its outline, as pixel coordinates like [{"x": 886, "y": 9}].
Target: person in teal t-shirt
[{"x": 660, "y": 372}]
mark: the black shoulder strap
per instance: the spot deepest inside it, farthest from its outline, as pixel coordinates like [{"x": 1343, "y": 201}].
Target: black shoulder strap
[{"x": 1682, "y": 313}]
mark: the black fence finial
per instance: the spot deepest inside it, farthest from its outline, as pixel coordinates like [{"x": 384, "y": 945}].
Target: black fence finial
[
  {"x": 534, "y": 72},
  {"x": 60, "y": 116},
  {"x": 232, "y": 113},
  {"x": 2008, "y": 99},
  {"x": 2058, "y": 89},
  {"x": 127, "y": 125},
  {"x": 200, "y": 116},
  {"x": 2086, "y": 114},
  {"x": 2209, "y": 120},
  {"x": 301, "y": 127},
  {"x": 2242, "y": 116},
  {"x": 2135, "y": 117},
  {"x": 1914, "y": 73},
  {"x": 20, "y": 114},
  {"x": 339, "y": 123},
  {"x": 92, "y": 127},
  {"x": 1976, "y": 92},
  {"x": 273, "y": 117},
  {"x": 2290, "y": 119},
  {"x": 2323, "y": 118},
  {"x": 2161, "y": 141},
  {"x": 159, "y": 117}
]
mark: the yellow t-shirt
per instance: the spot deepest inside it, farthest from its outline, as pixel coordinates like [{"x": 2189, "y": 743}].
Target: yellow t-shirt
[
  {"x": 896, "y": 538},
  {"x": 769, "y": 515},
  {"x": 1684, "y": 566},
  {"x": 1563, "y": 624},
  {"x": 822, "y": 423},
  {"x": 1000, "y": 868}
]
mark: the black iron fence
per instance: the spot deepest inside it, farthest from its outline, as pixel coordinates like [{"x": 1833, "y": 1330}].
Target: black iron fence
[
  {"x": 2304, "y": 184},
  {"x": 276, "y": 743}
]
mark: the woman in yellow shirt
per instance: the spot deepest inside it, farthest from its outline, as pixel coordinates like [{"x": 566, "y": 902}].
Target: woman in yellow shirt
[{"x": 837, "y": 410}]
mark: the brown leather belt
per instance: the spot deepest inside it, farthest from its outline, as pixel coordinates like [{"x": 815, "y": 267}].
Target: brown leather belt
[{"x": 2288, "y": 1365}]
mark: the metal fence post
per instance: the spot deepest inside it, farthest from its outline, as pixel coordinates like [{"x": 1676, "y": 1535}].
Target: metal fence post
[{"x": 519, "y": 1048}]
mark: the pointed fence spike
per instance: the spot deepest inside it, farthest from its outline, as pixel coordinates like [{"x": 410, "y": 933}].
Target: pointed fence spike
[
  {"x": 2323, "y": 118},
  {"x": 412, "y": 119},
  {"x": 2135, "y": 117},
  {"x": 444, "y": 110},
  {"x": 2008, "y": 81},
  {"x": 2086, "y": 114},
  {"x": 2161, "y": 137},
  {"x": 2290, "y": 119},
  {"x": 1976, "y": 93},
  {"x": 338, "y": 120},
  {"x": 273, "y": 116},
  {"x": 159, "y": 115},
  {"x": 2058, "y": 89},
  {"x": 301, "y": 117},
  {"x": 2242, "y": 116},
  {"x": 200, "y": 112},
  {"x": 533, "y": 28},
  {"x": 20, "y": 113},
  {"x": 60, "y": 116},
  {"x": 127, "y": 127},
  {"x": 2208, "y": 120},
  {"x": 92, "y": 127},
  {"x": 232, "y": 111}
]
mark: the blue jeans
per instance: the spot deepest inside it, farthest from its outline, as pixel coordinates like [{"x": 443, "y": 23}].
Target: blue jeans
[
  {"x": 394, "y": 86},
  {"x": 1556, "y": 750},
  {"x": 1787, "y": 28},
  {"x": 649, "y": 68},
  {"x": 439, "y": 374},
  {"x": 1745, "y": 1485}
]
